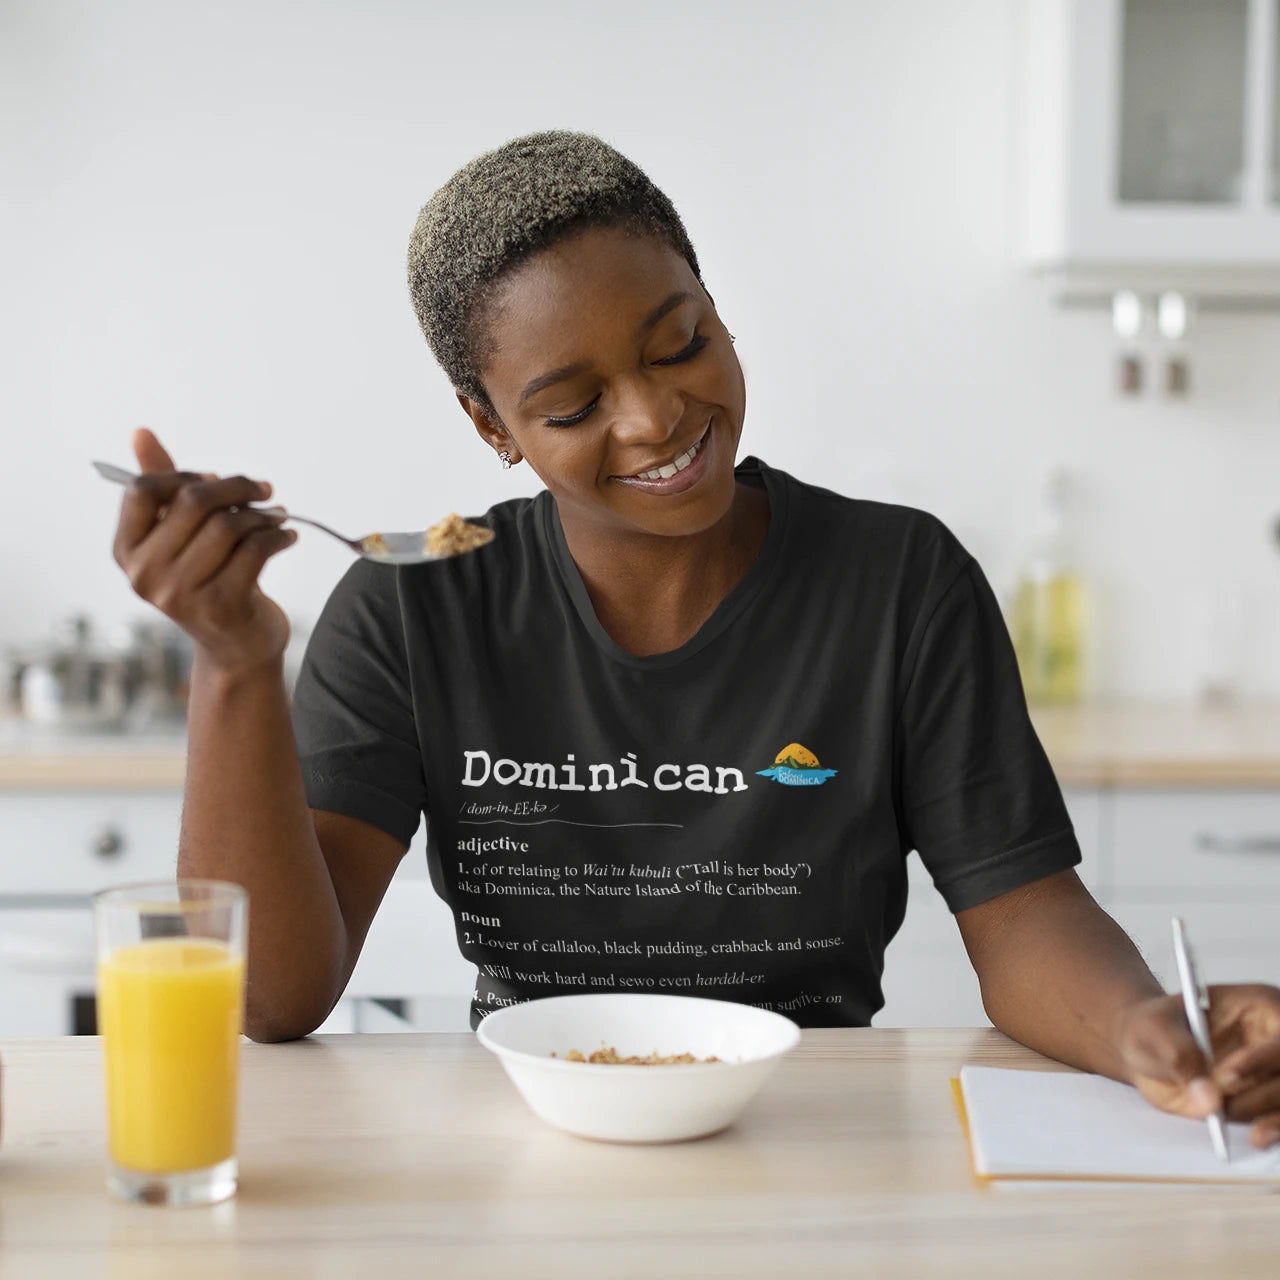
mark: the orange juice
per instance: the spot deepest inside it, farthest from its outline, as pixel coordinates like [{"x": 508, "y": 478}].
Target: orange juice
[{"x": 170, "y": 1015}]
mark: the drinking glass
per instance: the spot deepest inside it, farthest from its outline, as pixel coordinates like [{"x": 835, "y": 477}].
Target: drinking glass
[{"x": 171, "y": 961}]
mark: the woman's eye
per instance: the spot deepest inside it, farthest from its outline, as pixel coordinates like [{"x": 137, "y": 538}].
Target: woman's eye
[
  {"x": 574, "y": 419},
  {"x": 696, "y": 344}
]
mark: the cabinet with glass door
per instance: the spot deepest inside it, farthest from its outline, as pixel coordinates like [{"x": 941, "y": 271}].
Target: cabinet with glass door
[{"x": 1151, "y": 133}]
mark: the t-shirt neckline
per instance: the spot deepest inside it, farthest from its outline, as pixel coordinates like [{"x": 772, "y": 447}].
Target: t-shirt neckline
[{"x": 743, "y": 592}]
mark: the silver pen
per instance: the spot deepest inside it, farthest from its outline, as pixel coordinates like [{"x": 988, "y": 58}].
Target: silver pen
[{"x": 1196, "y": 1000}]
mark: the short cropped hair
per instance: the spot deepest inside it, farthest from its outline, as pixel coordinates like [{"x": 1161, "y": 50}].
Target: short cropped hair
[{"x": 505, "y": 206}]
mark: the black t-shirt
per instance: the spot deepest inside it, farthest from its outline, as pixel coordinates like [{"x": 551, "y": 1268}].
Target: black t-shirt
[{"x": 730, "y": 819}]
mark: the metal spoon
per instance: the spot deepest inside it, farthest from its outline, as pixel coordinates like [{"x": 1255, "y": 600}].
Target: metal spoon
[{"x": 384, "y": 548}]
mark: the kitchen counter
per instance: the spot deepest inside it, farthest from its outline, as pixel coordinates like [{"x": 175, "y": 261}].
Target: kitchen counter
[
  {"x": 1098, "y": 745},
  {"x": 1163, "y": 744},
  {"x": 413, "y": 1155},
  {"x": 42, "y": 759}
]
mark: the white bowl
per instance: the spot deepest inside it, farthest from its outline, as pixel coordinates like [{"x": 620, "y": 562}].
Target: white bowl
[{"x": 617, "y": 1103}]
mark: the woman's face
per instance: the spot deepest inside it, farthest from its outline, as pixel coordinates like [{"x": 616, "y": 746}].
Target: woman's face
[{"x": 607, "y": 364}]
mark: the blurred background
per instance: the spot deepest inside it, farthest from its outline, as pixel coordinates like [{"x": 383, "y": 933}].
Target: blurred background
[{"x": 1013, "y": 261}]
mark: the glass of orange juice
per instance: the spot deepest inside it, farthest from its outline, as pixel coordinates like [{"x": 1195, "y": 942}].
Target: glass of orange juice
[{"x": 170, "y": 1010}]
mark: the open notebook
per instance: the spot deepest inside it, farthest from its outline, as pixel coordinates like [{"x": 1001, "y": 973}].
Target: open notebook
[{"x": 1067, "y": 1125}]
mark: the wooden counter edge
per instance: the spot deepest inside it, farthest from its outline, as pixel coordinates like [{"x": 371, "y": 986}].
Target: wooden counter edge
[
  {"x": 56, "y": 771},
  {"x": 163, "y": 772},
  {"x": 1103, "y": 774}
]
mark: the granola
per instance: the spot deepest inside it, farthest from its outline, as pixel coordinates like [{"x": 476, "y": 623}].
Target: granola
[
  {"x": 611, "y": 1056},
  {"x": 454, "y": 535}
]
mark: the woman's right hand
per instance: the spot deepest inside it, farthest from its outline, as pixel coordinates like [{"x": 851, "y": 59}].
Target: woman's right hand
[{"x": 186, "y": 552}]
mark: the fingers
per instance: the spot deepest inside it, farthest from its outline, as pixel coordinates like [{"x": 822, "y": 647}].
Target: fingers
[
  {"x": 1256, "y": 1101},
  {"x": 1170, "y": 1071},
  {"x": 1252, "y": 1011},
  {"x": 1266, "y": 1133},
  {"x": 1162, "y": 1046},
  {"x": 188, "y": 501},
  {"x": 1165, "y": 1061},
  {"x": 252, "y": 552},
  {"x": 151, "y": 454},
  {"x": 179, "y": 532},
  {"x": 1247, "y": 1066},
  {"x": 229, "y": 598},
  {"x": 143, "y": 501},
  {"x": 193, "y": 545},
  {"x": 213, "y": 544},
  {"x": 1249, "y": 1076}
]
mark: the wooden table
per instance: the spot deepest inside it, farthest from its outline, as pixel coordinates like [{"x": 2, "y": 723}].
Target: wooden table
[{"x": 412, "y": 1155}]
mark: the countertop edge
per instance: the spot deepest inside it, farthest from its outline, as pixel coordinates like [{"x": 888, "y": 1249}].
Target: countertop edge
[{"x": 1100, "y": 745}]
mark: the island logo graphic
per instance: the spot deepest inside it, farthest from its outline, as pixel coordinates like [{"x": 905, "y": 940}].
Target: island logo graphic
[{"x": 797, "y": 766}]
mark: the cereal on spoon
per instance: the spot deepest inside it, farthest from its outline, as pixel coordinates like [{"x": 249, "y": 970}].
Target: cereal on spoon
[{"x": 454, "y": 535}]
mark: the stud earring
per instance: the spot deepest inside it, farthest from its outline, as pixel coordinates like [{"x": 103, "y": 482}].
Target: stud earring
[
  {"x": 505, "y": 458},
  {"x": 732, "y": 338}
]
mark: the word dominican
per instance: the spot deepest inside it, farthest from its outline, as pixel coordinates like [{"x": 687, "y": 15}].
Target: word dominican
[{"x": 479, "y": 767}]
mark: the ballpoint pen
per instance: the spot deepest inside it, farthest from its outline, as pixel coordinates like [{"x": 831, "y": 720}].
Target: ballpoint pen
[{"x": 1196, "y": 1000}]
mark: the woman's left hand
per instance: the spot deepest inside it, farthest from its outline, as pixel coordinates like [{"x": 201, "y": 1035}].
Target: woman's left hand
[{"x": 1169, "y": 1070}]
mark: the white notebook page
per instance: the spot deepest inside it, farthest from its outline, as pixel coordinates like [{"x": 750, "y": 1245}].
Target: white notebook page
[{"x": 1070, "y": 1125}]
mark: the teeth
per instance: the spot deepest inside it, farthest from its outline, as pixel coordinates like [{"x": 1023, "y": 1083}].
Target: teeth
[{"x": 669, "y": 469}]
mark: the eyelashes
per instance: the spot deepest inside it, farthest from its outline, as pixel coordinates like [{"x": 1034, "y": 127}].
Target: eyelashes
[
  {"x": 573, "y": 421},
  {"x": 696, "y": 344}
]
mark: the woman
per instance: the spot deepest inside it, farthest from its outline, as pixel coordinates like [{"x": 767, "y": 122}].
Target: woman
[{"x": 677, "y": 727}]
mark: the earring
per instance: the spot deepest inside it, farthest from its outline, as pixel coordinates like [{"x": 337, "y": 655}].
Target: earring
[
  {"x": 505, "y": 458},
  {"x": 732, "y": 338}
]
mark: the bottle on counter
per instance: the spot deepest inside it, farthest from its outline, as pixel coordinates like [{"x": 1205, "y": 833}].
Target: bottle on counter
[{"x": 1048, "y": 609}]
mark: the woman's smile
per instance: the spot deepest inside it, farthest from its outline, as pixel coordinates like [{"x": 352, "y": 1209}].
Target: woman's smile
[{"x": 677, "y": 474}]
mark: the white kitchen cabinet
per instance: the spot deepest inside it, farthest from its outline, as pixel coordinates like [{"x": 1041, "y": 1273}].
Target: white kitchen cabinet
[
  {"x": 412, "y": 952},
  {"x": 66, "y": 844},
  {"x": 46, "y": 962},
  {"x": 1233, "y": 941},
  {"x": 1196, "y": 846},
  {"x": 928, "y": 979},
  {"x": 1211, "y": 855},
  {"x": 57, "y": 848},
  {"x": 1150, "y": 133}
]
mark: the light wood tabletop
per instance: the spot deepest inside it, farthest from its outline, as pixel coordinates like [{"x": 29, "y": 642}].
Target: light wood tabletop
[{"x": 391, "y": 1155}]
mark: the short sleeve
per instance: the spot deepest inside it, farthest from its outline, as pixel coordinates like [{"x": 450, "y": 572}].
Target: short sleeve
[
  {"x": 353, "y": 716},
  {"x": 980, "y": 802}
]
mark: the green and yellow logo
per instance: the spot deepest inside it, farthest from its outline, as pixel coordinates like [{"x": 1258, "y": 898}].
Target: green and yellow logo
[{"x": 797, "y": 766}]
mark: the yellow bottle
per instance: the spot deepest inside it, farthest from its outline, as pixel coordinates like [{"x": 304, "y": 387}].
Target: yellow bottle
[{"x": 1048, "y": 611}]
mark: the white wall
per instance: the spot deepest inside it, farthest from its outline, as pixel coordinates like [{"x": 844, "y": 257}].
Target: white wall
[{"x": 206, "y": 208}]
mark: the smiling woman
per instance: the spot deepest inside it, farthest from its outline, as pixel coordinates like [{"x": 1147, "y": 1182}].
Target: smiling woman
[
  {"x": 558, "y": 288},
  {"x": 661, "y": 600}
]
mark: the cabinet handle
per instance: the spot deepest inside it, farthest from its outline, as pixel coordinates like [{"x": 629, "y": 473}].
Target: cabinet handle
[
  {"x": 108, "y": 843},
  {"x": 1237, "y": 844}
]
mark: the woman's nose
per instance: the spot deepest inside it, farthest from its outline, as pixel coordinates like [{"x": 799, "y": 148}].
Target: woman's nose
[{"x": 647, "y": 412}]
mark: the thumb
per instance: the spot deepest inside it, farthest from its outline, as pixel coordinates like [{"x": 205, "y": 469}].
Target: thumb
[{"x": 151, "y": 454}]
